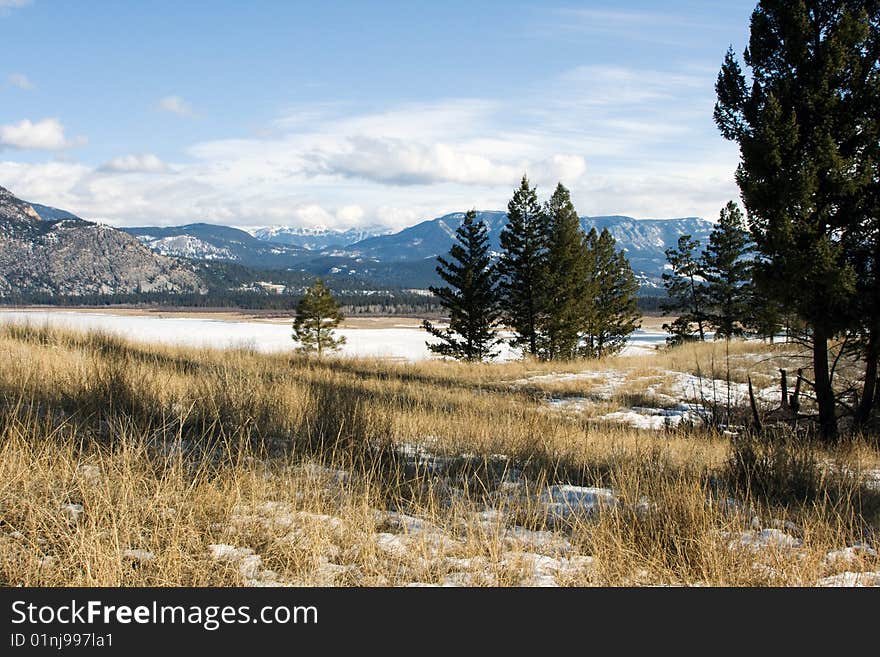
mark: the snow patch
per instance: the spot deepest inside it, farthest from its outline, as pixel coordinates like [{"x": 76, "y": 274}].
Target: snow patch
[
  {"x": 72, "y": 511},
  {"x": 764, "y": 538},
  {"x": 850, "y": 579},
  {"x": 138, "y": 556},
  {"x": 563, "y": 502}
]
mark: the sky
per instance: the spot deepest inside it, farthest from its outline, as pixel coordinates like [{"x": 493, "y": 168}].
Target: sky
[{"x": 354, "y": 114}]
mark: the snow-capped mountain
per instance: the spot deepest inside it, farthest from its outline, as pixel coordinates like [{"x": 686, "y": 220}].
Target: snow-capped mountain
[
  {"x": 317, "y": 238},
  {"x": 212, "y": 242},
  {"x": 186, "y": 246}
]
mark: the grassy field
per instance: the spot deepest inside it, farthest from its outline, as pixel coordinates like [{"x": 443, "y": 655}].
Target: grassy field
[{"x": 127, "y": 465}]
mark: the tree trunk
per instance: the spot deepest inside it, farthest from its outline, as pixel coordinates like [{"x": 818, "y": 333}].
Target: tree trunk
[
  {"x": 869, "y": 391},
  {"x": 824, "y": 391},
  {"x": 795, "y": 403},
  {"x": 756, "y": 417},
  {"x": 533, "y": 335},
  {"x": 783, "y": 375}
]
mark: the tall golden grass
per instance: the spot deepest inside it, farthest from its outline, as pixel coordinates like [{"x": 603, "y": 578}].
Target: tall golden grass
[{"x": 123, "y": 464}]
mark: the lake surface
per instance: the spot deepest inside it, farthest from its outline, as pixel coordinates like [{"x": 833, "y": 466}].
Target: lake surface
[{"x": 266, "y": 336}]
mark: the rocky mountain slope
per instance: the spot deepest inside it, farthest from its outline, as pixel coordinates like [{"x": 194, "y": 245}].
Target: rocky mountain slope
[{"x": 71, "y": 256}]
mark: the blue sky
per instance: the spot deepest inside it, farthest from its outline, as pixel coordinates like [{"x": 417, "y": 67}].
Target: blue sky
[{"x": 358, "y": 113}]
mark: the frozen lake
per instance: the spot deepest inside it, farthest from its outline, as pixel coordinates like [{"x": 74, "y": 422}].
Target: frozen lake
[{"x": 267, "y": 336}]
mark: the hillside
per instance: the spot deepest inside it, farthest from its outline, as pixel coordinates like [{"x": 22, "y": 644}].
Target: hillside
[
  {"x": 71, "y": 256},
  {"x": 201, "y": 241}
]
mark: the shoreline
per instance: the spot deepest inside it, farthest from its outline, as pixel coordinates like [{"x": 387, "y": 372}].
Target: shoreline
[
  {"x": 221, "y": 315},
  {"x": 650, "y": 321}
]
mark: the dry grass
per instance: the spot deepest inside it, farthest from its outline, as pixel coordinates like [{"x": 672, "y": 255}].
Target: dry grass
[{"x": 129, "y": 465}]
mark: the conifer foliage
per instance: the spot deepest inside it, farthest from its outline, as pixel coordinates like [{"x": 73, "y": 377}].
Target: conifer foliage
[
  {"x": 805, "y": 122},
  {"x": 611, "y": 314},
  {"x": 317, "y": 314},
  {"x": 470, "y": 296},
  {"x": 522, "y": 267},
  {"x": 727, "y": 270},
  {"x": 561, "y": 293},
  {"x": 686, "y": 292},
  {"x": 568, "y": 281}
]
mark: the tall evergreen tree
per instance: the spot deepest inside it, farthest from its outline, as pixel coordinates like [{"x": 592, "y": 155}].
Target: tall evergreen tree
[
  {"x": 727, "y": 271},
  {"x": 470, "y": 296},
  {"x": 864, "y": 240},
  {"x": 685, "y": 291},
  {"x": 522, "y": 266},
  {"x": 612, "y": 314},
  {"x": 567, "y": 284},
  {"x": 801, "y": 125},
  {"x": 317, "y": 314}
]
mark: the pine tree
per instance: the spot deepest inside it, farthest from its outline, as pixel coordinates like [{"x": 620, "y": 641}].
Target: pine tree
[
  {"x": 863, "y": 242},
  {"x": 522, "y": 266},
  {"x": 613, "y": 313},
  {"x": 803, "y": 125},
  {"x": 566, "y": 282},
  {"x": 317, "y": 314},
  {"x": 765, "y": 315},
  {"x": 685, "y": 291},
  {"x": 727, "y": 271},
  {"x": 470, "y": 297}
]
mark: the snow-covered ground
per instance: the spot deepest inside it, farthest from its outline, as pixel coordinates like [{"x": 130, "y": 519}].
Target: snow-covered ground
[
  {"x": 675, "y": 397},
  {"x": 397, "y": 343}
]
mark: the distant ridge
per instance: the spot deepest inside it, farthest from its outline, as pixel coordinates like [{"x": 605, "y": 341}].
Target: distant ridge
[
  {"x": 48, "y": 213},
  {"x": 201, "y": 241},
  {"x": 644, "y": 240},
  {"x": 316, "y": 239},
  {"x": 405, "y": 258}
]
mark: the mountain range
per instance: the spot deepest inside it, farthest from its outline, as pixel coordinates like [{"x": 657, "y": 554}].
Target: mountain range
[
  {"x": 643, "y": 240},
  {"x": 212, "y": 242},
  {"x": 318, "y": 238},
  {"x": 404, "y": 258},
  {"x": 53, "y": 251}
]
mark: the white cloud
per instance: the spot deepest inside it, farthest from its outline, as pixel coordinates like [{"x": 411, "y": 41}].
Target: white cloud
[
  {"x": 144, "y": 163},
  {"x": 313, "y": 215},
  {"x": 400, "y": 162},
  {"x": 404, "y": 216},
  {"x": 350, "y": 215},
  {"x": 47, "y": 134},
  {"x": 625, "y": 141},
  {"x": 175, "y": 105},
  {"x": 51, "y": 183},
  {"x": 20, "y": 80},
  {"x": 567, "y": 169},
  {"x": 680, "y": 29},
  {"x": 625, "y": 21}
]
